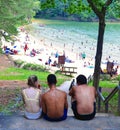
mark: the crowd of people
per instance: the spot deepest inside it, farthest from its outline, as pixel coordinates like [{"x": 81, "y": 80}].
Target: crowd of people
[{"x": 52, "y": 105}]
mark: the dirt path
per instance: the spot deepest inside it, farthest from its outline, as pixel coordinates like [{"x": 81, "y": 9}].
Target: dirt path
[{"x": 5, "y": 62}]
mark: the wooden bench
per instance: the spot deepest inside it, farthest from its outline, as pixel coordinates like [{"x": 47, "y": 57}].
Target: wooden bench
[{"x": 69, "y": 70}]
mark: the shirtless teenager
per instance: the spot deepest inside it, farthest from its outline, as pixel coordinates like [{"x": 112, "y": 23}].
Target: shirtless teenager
[
  {"x": 54, "y": 102},
  {"x": 32, "y": 98},
  {"x": 83, "y": 99}
]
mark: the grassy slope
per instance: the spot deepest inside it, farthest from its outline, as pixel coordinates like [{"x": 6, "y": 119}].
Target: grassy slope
[
  {"x": 9, "y": 98},
  {"x": 22, "y": 74}
]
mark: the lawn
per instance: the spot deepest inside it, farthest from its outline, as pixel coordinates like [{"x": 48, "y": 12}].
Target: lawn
[{"x": 23, "y": 74}]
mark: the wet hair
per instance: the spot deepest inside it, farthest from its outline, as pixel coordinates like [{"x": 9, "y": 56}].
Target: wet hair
[
  {"x": 51, "y": 79},
  {"x": 31, "y": 80},
  {"x": 81, "y": 79}
]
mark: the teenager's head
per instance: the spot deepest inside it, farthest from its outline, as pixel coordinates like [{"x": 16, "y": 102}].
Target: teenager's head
[
  {"x": 51, "y": 79},
  {"x": 81, "y": 79},
  {"x": 32, "y": 81}
]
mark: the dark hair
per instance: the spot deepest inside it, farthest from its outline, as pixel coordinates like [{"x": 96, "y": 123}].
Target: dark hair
[
  {"x": 51, "y": 79},
  {"x": 31, "y": 80},
  {"x": 81, "y": 79}
]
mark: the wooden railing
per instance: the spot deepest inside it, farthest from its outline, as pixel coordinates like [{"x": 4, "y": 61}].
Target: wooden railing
[{"x": 108, "y": 98}]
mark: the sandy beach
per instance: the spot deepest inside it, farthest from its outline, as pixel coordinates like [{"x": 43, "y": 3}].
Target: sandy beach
[{"x": 45, "y": 49}]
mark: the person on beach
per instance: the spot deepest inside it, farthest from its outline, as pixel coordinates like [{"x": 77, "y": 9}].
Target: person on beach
[
  {"x": 109, "y": 67},
  {"x": 25, "y": 48},
  {"x": 54, "y": 102},
  {"x": 83, "y": 55},
  {"x": 32, "y": 98},
  {"x": 56, "y": 54},
  {"x": 49, "y": 61},
  {"x": 83, "y": 99}
]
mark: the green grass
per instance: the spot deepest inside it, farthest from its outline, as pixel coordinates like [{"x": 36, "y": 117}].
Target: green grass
[
  {"x": 112, "y": 105},
  {"x": 12, "y": 94},
  {"x": 108, "y": 84},
  {"x": 22, "y": 74},
  {"x": 11, "y": 97}
]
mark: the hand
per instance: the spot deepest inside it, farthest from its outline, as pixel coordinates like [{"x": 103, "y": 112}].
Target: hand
[{"x": 39, "y": 86}]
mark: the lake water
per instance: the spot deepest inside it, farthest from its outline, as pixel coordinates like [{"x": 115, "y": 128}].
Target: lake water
[{"x": 78, "y": 36}]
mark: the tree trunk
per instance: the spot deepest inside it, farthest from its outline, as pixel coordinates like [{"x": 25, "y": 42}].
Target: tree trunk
[{"x": 99, "y": 51}]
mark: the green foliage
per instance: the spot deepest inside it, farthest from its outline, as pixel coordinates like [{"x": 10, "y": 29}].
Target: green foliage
[
  {"x": 29, "y": 66},
  {"x": 77, "y": 10},
  {"x": 104, "y": 77},
  {"x": 23, "y": 74},
  {"x": 16, "y": 12},
  {"x": 14, "y": 103},
  {"x": 0, "y": 50},
  {"x": 108, "y": 84},
  {"x": 18, "y": 63},
  {"x": 47, "y": 4},
  {"x": 118, "y": 78}
]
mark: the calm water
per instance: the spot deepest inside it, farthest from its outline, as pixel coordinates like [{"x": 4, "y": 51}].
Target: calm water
[
  {"x": 87, "y": 29},
  {"x": 77, "y": 36}
]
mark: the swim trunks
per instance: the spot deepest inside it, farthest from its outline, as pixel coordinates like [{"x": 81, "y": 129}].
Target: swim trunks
[
  {"x": 45, "y": 116},
  {"x": 83, "y": 116}
]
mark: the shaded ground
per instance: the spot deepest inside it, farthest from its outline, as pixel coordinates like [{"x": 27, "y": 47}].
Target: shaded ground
[{"x": 8, "y": 88}]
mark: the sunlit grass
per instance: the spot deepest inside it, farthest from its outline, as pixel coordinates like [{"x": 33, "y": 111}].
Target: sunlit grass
[{"x": 22, "y": 74}]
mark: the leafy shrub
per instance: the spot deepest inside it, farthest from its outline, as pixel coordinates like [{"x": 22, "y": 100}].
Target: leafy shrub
[
  {"x": 27, "y": 66},
  {"x": 105, "y": 77},
  {"x": 0, "y": 50},
  {"x": 118, "y": 78},
  {"x": 58, "y": 72},
  {"x": 18, "y": 63}
]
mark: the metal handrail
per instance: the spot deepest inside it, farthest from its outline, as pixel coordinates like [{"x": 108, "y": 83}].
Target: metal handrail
[
  {"x": 108, "y": 98},
  {"x": 115, "y": 90},
  {"x": 100, "y": 95}
]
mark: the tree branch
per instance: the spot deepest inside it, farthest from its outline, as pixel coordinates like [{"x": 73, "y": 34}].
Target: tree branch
[
  {"x": 95, "y": 9},
  {"x": 108, "y": 2}
]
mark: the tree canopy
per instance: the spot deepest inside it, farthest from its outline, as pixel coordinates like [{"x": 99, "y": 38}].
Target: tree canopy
[
  {"x": 16, "y": 12},
  {"x": 75, "y": 10}
]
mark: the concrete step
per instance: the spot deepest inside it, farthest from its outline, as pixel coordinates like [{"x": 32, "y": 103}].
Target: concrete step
[{"x": 102, "y": 121}]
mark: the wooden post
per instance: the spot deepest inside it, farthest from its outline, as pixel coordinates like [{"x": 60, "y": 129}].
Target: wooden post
[
  {"x": 99, "y": 100},
  {"x": 106, "y": 107},
  {"x": 119, "y": 99}
]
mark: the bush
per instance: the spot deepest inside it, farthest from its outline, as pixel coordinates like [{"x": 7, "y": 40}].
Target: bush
[
  {"x": 1, "y": 50},
  {"x": 105, "y": 77},
  {"x": 118, "y": 78},
  {"x": 29, "y": 66},
  {"x": 18, "y": 63}
]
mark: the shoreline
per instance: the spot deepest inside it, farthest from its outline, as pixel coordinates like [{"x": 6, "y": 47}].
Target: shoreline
[{"x": 47, "y": 50}]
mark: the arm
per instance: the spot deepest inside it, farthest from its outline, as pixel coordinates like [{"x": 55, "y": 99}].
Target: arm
[
  {"x": 71, "y": 93},
  {"x": 66, "y": 103}
]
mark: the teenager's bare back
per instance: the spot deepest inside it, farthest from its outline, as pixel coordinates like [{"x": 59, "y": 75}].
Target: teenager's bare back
[{"x": 54, "y": 101}]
